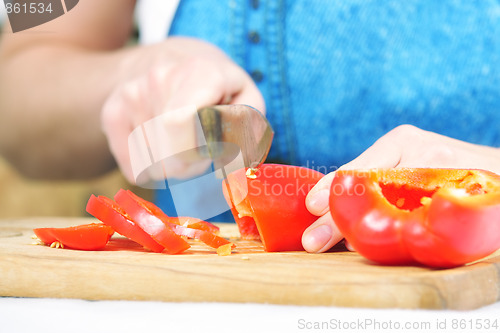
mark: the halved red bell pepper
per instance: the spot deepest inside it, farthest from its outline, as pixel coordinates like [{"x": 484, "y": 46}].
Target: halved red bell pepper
[
  {"x": 93, "y": 236},
  {"x": 246, "y": 225},
  {"x": 435, "y": 217},
  {"x": 140, "y": 211},
  {"x": 273, "y": 199},
  {"x": 181, "y": 226},
  {"x": 112, "y": 214}
]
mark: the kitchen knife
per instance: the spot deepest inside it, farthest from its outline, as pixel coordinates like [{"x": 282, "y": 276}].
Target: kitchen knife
[
  {"x": 181, "y": 144},
  {"x": 226, "y": 127}
]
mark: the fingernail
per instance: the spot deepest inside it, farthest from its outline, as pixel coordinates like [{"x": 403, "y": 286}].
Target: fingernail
[
  {"x": 318, "y": 202},
  {"x": 349, "y": 246},
  {"x": 315, "y": 239}
]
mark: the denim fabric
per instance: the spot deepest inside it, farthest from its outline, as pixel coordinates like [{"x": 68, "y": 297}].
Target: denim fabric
[{"x": 337, "y": 75}]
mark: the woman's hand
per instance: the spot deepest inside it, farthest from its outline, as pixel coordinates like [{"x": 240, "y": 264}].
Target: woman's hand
[
  {"x": 404, "y": 146},
  {"x": 183, "y": 72}
]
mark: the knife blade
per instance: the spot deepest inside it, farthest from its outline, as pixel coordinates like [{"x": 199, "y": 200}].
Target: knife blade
[
  {"x": 225, "y": 127},
  {"x": 182, "y": 143}
]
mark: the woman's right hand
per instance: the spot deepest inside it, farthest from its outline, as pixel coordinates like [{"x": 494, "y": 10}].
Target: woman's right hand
[{"x": 165, "y": 77}]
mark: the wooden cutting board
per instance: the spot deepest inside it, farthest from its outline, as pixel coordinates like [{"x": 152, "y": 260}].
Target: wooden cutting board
[{"x": 124, "y": 271}]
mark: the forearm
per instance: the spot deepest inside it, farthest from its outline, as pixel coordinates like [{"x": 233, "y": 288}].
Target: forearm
[
  {"x": 50, "y": 99},
  {"x": 53, "y": 80}
]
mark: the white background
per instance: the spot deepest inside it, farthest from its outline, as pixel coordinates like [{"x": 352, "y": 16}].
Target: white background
[{"x": 65, "y": 315}]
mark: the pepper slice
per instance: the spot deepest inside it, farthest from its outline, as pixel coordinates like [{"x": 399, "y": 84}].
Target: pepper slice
[
  {"x": 435, "y": 217},
  {"x": 272, "y": 200},
  {"x": 182, "y": 226},
  {"x": 141, "y": 212},
  {"x": 206, "y": 237},
  {"x": 189, "y": 222},
  {"x": 194, "y": 223},
  {"x": 112, "y": 214},
  {"x": 93, "y": 236}
]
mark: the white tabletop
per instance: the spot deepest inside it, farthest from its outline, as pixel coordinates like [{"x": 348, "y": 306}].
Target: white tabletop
[{"x": 69, "y": 315}]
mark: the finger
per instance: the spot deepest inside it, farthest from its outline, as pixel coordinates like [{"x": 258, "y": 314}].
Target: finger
[
  {"x": 117, "y": 127},
  {"x": 317, "y": 198},
  {"x": 389, "y": 150},
  {"x": 321, "y": 235},
  {"x": 202, "y": 83},
  {"x": 384, "y": 153},
  {"x": 126, "y": 108},
  {"x": 135, "y": 99},
  {"x": 157, "y": 92},
  {"x": 408, "y": 146},
  {"x": 250, "y": 95}
]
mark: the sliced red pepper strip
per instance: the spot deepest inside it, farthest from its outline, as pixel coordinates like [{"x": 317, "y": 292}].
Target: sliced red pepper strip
[
  {"x": 273, "y": 198},
  {"x": 141, "y": 213},
  {"x": 435, "y": 217},
  {"x": 184, "y": 226},
  {"x": 196, "y": 229},
  {"x": 206, "y": 237},
  {"x": 112, "y": 214},
  {"x": 189, "y": 222},
  {"x": 93, "y": 236},
  {"x": 194, "y": 223}
]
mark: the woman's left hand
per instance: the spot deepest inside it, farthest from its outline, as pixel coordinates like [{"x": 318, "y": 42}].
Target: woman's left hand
[{"x": 404, "y": 146}]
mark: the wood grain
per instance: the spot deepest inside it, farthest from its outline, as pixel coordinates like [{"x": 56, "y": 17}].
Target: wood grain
[{"x": 124, "y": 271}]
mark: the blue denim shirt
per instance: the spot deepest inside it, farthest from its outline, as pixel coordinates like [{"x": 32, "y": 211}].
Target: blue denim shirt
[{"x": 337, "y": 75}]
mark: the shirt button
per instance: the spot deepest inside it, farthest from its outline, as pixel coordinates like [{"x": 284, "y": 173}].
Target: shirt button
[
  {"x": 257, "y": 75},
  {"x": 254, "y": 37},
  {"x": 255, "y": 4}
]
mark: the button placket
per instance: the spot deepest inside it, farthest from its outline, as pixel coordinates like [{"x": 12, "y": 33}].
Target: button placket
[
  {"x": 255, "y": 47},
  {"x": 255, "y": 4},
  {"x": 254, "y": 37},
  {"x": 278, "y": 98},
  {"x": 257, "y": 75}
]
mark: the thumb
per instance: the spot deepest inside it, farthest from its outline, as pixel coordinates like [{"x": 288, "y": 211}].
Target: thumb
[
  {"x": 317, "y": 198},
  {"x": 321, "y": 235}
]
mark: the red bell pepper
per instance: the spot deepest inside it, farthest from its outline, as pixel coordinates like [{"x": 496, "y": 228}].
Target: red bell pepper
[
  {"x": 112, "y": 214},
  {"x": 435, "y": 217},
  {"x": 271, "y": 199},
  {"x": 141, "y": 212},
  {"x": 93, "y": 236}
]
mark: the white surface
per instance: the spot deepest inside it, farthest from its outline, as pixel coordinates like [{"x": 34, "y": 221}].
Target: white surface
[
  {"x": 65, "y": 315},
  {"x": 154, "y": 18},
  {"x": 3, "y": 13}
]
